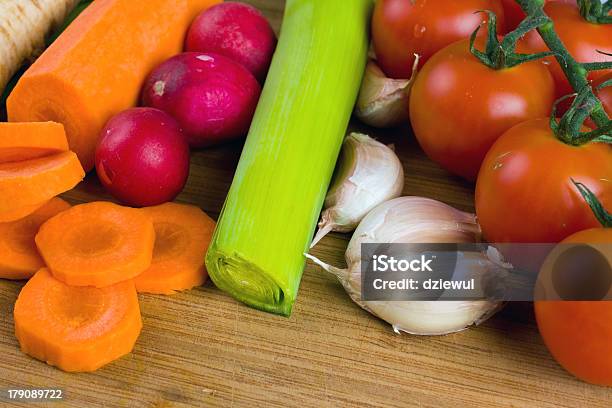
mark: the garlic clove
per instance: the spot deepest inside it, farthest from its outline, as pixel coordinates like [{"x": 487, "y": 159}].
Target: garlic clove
[
  {"x": 415, "y": 220},
  {"x": 424, "y": 318},
  {"x": 421, "y": 220},
  {"x": 383, "y": 101},
  {"x": 437, "y": 318},
  {"x": 368, "y": 173}
]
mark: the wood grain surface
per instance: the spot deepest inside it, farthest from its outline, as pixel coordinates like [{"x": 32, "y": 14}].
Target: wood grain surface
[{"x": 203, "y": 349}]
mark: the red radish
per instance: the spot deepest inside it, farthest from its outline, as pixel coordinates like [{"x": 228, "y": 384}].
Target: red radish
[
  {"x": 238, "y": 31},
  {"x": 212, "y": 97},
  {"x": 142, "y": 157}
]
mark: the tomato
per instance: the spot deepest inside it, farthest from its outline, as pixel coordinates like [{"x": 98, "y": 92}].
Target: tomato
[
  {"x": 459, "y": 106},
  {"x": 401, "y": 28},
  {"x": 579, "y": 333},
  {"x": 524, "y": 191},
  {"x": 513, "y": 13},
  {"x": 581, "y": 38}
]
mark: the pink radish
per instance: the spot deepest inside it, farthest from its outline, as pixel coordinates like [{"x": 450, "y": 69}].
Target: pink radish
[
  {"x": 212, "y": 97},
  {"x": 142, "y": 157},
  {"x": 238, "y": 31}
]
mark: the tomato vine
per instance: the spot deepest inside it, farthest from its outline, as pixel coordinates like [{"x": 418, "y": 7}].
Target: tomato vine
[
  {"x": 576, "y": 72},
  {"x": 596, "y": 11},
  {"x": 502, "y": 54}
]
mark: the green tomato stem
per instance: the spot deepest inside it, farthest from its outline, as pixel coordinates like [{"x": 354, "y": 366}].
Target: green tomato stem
[
  {"x": 500, "y": 55},
  {"x": 596, "y": 12},
  {"x": 603, "y": 216},
  {"x": 576, "y": 74}
]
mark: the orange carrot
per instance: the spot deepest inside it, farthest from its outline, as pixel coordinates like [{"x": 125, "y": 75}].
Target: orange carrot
[
  {"x": 96, "y": 67},
  {"x": 19, "y": 258},
  {"x": 183, "y": 233},
  {"x": 97, "y": 244},
  {"x": 24, "y": 141},
  {"x": 29, "y": 182},
  {"x": 19, "y": 213},
  {"x": 76, "y": 329}
]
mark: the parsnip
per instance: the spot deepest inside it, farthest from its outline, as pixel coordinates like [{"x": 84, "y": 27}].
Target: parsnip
[{"x": 24, "y": 24}]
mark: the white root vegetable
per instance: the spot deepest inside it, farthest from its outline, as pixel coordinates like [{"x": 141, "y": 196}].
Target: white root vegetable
[
  {"x": 421, "y": 221},
  {"x": 24, "y": 25},
  {"x": 368, "y": 174}
]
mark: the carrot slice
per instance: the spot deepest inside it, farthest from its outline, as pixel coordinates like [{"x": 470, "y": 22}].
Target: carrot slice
[
  {"x": 183, "y": 233},
  {"x": 33, "y": 181},
  {"x": 76, "y": 329},
  {"x": 19, "y": 258},
  {"x": 97, "y": 244},
  {"x": 25, "y": 141},
  {"x": 95, "y": 69},
  {"x": 19, "y": 213}
]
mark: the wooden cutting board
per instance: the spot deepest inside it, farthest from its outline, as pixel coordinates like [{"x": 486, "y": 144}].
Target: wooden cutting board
[{"x": 202, "y": 348}]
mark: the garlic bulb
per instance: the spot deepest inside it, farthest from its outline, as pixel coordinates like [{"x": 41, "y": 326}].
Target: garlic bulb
[
  {"x": 368, "y": 173},
  {"x": 382, "y": 101},
  {"x": 420, "y": 220}
]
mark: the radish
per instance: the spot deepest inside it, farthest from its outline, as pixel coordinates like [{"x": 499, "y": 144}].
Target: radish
[
  {"x": 238, "y": 31},
  {"x": 212, "y": 97},
  {"x": 142, "y": 157}
]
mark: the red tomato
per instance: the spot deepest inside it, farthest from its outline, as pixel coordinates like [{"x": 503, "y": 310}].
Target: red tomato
[
  {"x": 513, "y": 14},
  {"x": 459, "y": 106},
  {"x": 579, "y": 334},
  {"x": 524, "y": 191},
  {"x": 401, "y": 28},
  {"x": 581, "y": 38}
]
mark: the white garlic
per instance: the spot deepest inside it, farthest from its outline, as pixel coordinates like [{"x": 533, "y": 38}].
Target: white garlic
[
  {"x": 420, "y": 220},
  {"x": 383, "y": 101},
  {"x": 368, "y": 173}
]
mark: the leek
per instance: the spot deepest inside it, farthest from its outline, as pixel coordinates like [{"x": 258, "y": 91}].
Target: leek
[{"x": 273, "y": 205}]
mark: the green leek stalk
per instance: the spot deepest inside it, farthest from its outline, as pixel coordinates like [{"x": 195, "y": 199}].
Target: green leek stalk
[{"x": 273, "y": 205}]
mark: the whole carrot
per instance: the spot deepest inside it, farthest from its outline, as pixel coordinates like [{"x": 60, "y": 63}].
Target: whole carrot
[{"x": 96, "y": 67}]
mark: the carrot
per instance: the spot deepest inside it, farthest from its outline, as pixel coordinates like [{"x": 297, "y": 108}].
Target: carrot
[
  {"x": 24, "y": 25},
  {"x": 97, "y": 244},
  {"x": 24, "y": 141},
  {"x": 19, "y": 258},
  {"x": 30, "y": 182},
  {"x": 19, "y": 213},
  {"x": 96, "y": 67},
  {"x": 183, "y": 233},
  {"x": 76, "y": 329}
]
